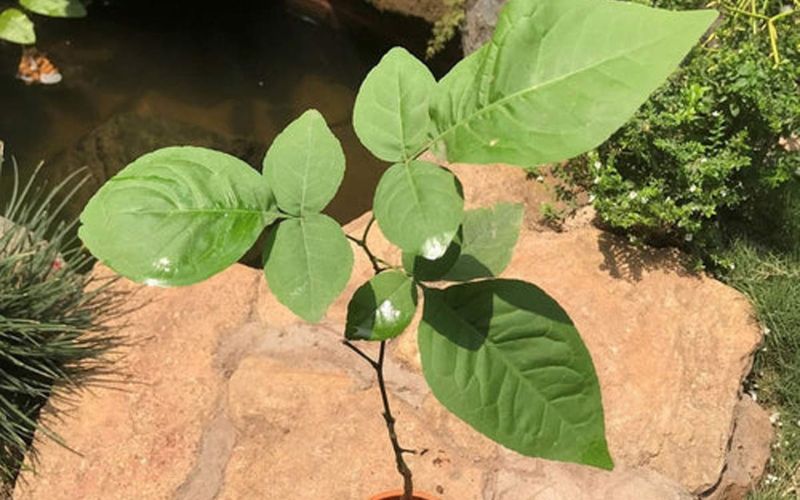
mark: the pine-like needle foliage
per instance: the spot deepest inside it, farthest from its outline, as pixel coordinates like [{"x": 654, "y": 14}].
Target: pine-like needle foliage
[{"x": 53, "y": 338}]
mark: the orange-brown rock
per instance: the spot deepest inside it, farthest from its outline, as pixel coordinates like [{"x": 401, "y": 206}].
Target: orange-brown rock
[
  {"x": 748, "y": 454},
  {"x": 231, "y": 397},
  {"x": 430, "y": 10}
]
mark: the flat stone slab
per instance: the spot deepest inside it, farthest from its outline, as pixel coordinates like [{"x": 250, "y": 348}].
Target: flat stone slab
[{"x": 229, "y": 396}]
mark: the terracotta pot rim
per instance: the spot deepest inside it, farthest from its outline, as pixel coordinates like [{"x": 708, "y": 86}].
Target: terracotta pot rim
[{"x": 392, "y": 494}]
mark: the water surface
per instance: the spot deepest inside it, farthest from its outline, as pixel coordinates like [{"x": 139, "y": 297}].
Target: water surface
[{"x": 141, "y": 75}]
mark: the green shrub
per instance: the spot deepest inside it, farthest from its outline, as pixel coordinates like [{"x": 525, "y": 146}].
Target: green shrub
[
  {"x": 51, "y": 343},
  {"x": 706, "y": 149}
]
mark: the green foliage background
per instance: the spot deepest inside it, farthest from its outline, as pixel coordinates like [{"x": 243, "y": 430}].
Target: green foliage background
[
  {"x": 702, "y": 166},
  {"x": 705, "y": 150}
]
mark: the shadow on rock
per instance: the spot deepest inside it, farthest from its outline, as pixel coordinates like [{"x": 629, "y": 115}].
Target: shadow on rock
[{"x": 625, "y": 261}]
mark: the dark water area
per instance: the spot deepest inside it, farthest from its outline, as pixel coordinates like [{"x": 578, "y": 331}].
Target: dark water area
[{"x": 140, "y": 75}]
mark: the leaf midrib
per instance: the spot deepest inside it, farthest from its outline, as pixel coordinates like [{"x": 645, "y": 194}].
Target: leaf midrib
[
  {"x": 309, "y": 274},
  {"x": 535, "y": 88},
  {"x": 223, "y": 211},
  {"x": 487, "y": 341}
]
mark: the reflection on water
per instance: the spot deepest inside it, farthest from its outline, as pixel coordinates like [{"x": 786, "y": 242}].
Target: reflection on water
[{"x": 140, "y": 75}]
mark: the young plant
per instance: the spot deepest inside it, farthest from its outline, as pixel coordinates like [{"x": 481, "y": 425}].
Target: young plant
[
  {"x": 557, "y": 78},
  {"x": 16, "y": 26}
]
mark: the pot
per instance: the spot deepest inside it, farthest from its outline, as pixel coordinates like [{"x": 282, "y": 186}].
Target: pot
[{"x": 398, "y": 494}]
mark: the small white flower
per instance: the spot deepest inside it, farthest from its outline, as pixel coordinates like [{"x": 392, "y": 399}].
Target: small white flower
[
  {"x": 766, "y": 330},
  {"x": 715, "y": 114},
  {"x": 591, "y": 198},
  {"x": 597, "y": 165},
  {"x": 632, "y": 195},
  {"x": 693, "y": 188},
  {"x": 540, "y": 178},
  {"x": 597, "y": 180},
  {"x": 689, "y": 237},
  {"x": 732, "y": 266}
]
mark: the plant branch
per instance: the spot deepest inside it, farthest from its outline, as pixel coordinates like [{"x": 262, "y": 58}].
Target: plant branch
[
  {"x": 376, "y": 261},
  {"x": 402, "y": 467},
  {"x": 361, "y": 353}
]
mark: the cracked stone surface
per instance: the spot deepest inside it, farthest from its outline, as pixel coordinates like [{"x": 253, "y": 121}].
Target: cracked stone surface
[{"x": 229, "y": 396}]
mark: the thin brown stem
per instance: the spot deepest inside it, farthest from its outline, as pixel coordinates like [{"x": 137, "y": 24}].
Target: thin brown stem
[
  {"x": 373, "y": 259},
  {"x": 378, "y": 264},
  {"x": 361, "y": 353},
  {"x": 367, "y": 228},
  {"x": 402, "y": 467}
]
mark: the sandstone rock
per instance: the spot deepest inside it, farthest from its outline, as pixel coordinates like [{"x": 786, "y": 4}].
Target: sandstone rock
[
  {"x": 748, "y": 455},
  {"x": 485, "y": 185},
  {"x": 233, "y": 397},
  {"x": 542, "y": 480},
  {"x": 479, "y": 23},
  {"x": 670, "y": 347},
  {"x": 141, "y": 441},
  {"x": 430, "y": 10}
]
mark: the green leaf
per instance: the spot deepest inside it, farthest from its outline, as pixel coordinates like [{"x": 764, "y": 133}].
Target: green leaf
[
  {"x": 487, "y": 241},
  {"x": 307, "y": 263},
  {"x": 390, "y": 116},
  {"x": 433, "y": 270},
  {"x": 382, "y": 307},
  {"x": 504, "y": 357},
  {"x": 558, "y": 78},
  {"x": 55, "y": 8},
  {"x": 305, "y": 165},
  {"x": 419, "y": 207},
  {"x": 177, "y": 216},
  {"x": 15, "y": 27}
]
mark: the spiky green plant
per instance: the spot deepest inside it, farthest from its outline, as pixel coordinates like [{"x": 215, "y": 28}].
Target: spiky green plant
[{"x": 53, "y": 338}]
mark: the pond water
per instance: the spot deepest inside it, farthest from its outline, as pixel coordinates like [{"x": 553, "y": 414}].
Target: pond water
[{"x": 139, "y": 75}]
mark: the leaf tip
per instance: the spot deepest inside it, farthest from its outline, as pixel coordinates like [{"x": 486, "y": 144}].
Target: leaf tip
[
  {"x": 312, "y": 114},
  {"x": 597, "y": 455}
]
